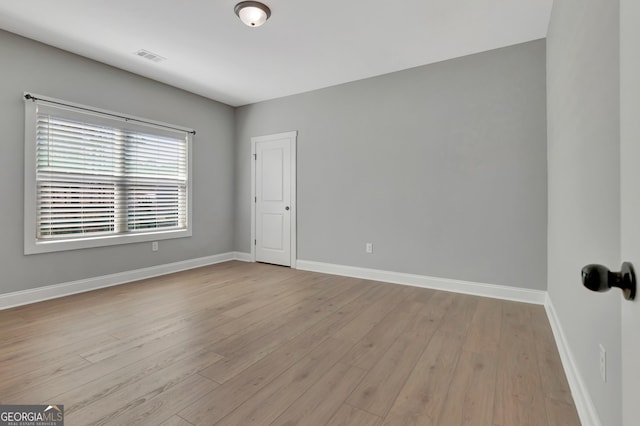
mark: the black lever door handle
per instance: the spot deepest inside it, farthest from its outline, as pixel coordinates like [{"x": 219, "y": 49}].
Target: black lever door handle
[{"x": 599, "y": 278}]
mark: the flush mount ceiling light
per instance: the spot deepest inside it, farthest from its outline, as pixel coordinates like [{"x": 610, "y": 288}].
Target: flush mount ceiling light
[{"x": 252, "y": 13}]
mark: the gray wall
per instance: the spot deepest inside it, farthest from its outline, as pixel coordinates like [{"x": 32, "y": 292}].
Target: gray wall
[
  {"x": 441, "y": 167},
  {"x": 31, "y": 66},
  {"x": 584, "y": 185}
]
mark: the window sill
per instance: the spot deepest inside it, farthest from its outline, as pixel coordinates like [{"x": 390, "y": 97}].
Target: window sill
[{"x": 36, "y": 247}]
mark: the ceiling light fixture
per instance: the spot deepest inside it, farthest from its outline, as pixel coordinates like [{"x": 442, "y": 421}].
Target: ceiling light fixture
[{"x": 252, "y": 13}]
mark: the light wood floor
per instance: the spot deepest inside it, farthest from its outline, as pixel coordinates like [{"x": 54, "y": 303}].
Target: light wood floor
[{"x": 243, "y": 344}]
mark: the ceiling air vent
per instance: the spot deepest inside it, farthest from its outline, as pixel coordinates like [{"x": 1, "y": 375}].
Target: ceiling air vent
[{"x": 150, "y": 56}]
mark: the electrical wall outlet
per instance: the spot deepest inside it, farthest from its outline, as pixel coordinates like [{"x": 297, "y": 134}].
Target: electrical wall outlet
[
  {"x": 369, "y": 248},
  {"x": 154, "y": 246},
  {"x": 603, "y": 363}
]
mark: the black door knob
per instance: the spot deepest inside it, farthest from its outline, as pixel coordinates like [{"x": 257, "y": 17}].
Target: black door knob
[{"x": 599, "y": 278}]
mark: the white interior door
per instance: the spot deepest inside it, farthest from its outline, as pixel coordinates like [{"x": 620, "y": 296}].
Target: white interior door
[
  {"x": 630, "y": 200},
  {"x": 274, "y": 196}
]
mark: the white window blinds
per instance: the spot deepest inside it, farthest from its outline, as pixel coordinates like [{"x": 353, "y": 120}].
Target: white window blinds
[{"x": 96, "y": 176}]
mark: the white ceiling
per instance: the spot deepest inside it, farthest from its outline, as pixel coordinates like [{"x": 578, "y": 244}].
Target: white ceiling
[{"x": 306, "y": 44}]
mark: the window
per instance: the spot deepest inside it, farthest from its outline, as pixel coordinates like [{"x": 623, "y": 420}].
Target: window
[{"x": 95, "y": 178}]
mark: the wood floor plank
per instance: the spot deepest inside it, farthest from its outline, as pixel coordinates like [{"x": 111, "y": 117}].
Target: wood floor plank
[
  {"x": 469, "y": 400},
  {"x": 261, "y": 343},
  {"x": 554, "y": 381},
  {"x": 561, "y": 413},
  {"x": 377, "y": 341},
  {"x": 114, "y": 373},
  {"x": 225, "y": 399},
  {"x": 162, "y": 406},
  {"x": 378, "y": 390},
  {"x": 215, "y": 299},
  {"x": 423, "y": 395},
  {"x": 519, "y": 396},
  {"x": 45, "y": 355},
  {"x": 248, "y": 343},
  {"x": 308, "y": 310},
  {"x": 175, "y": 421},
  {"x": 82, "y": 406},
  {"x": 459, "y": 315},
  {"x": 261, "y": 316},
  {"x": 294, "y": 285},
  {"x": 321, "y": 401},
  {"x": 386, "y": 300},
  {"x": 272, "y": 400},
  {"x": 157, "y": 341},
  {"x": 440, "y": 302},
  {"x": 202, "y": 288},
  {"x": 49, "y": 332},
  {"x": 12, "y": 387},
  {"x": 558, "y": 399},
  {"x": 484, "y": 331},
  {"x": 348, "y": 415}
]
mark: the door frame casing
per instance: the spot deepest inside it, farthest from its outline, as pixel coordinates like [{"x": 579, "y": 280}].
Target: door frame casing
[
  {"x": 293, "y": 136},
  {"x": 629, "y": 202}
]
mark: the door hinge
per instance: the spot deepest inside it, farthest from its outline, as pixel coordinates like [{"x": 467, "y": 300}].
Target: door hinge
[
  {"x": 255, "y": 242},
  {"x": 255, "y": 199},
  {"x": 255, "y": 156}
]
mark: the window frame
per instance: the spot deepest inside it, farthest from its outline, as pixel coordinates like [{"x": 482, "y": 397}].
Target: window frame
[{"x": 34, "y": 246}]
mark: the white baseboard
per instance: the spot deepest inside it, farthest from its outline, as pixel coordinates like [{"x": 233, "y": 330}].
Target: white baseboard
[
  {"x": 241, "y": 256},
  {"x": 25, "y": 297},
  {"x": 467, "y": 287},
  {"x": 581, "y": 397}
]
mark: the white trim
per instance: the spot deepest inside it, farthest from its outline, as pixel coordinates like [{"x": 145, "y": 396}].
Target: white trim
[
  {"x": 33, "y": 247},
  {"x": 467, "y": 287},
  {"x": 242, "y": 256},
  {"x": 25, "y": 297},
  {"x": 30, "y": 196},
  {"x": 31, "y": 244},
  {"x": 253, "y": 201},
  {"x": 294, "y": 199},
  {"x": 581, "y": 397},
  {"x": 293, "y": 135}
]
